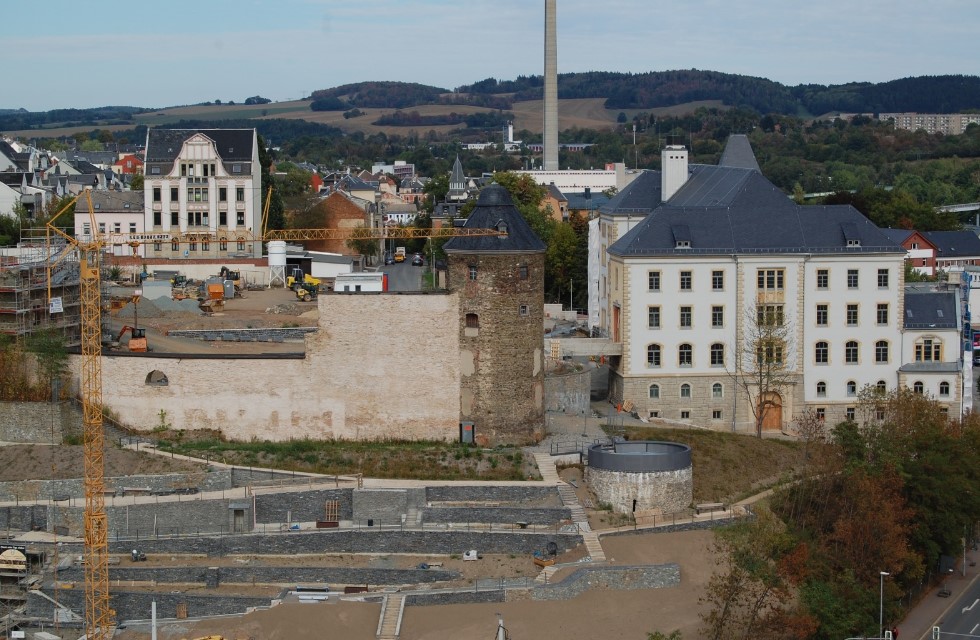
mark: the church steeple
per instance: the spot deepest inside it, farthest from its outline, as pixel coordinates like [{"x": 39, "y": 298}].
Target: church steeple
[{"x": 457, "y": 182}]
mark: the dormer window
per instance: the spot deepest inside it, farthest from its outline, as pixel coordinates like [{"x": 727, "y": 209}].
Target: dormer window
[
  {"x": 502, "y": 226},
  {"x": 683, "y": 244},
  {"x": 854, "y": 243}
]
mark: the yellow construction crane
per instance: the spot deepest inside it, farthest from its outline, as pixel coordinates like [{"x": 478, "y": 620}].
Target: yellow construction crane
[{"x": 99, "y": 616}]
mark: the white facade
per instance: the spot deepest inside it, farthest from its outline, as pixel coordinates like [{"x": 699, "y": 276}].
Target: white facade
[
  {"x": 216, "y": 203},
  {"x": 576, "y": 180}
]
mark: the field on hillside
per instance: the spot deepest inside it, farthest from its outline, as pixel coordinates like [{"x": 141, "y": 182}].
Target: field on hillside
[{"x": 584, "y": 113}]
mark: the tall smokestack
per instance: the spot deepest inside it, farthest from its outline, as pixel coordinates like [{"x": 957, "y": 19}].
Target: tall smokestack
[{"x": 550, "y": 86}]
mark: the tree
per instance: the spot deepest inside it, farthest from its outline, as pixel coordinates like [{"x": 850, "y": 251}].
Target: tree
[
  {"x": 277, "y": 210},
  {"x": 760, "y": 367},
  {"x": 51, "y": 354},
  {"x": 810, "y": 429},
  {"x": 136, "y": 183}
]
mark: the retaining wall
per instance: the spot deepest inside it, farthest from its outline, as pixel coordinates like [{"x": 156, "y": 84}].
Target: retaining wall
[
  {"x": 269, "y": 334},
  {"x": 74, "y": 487},
  {"x": 270, "y": 575},
  {"x": 508, "y": 515},
  {"x": 41, "y": 422},
  {"x": 130, "y": 605},
  {"x": 24, "y": 517},
  {"x": 520, "y": 494},
  {"x": 454, "y": 597},
  {"x": 610, "y": 578},
  {"x": 189, "y": 516},
  {"x": 568, "y": 392},
  {"x": 357, "y": 541},
  {"x": 386, "y": 505},
  {"x": 305, "y": 506}
]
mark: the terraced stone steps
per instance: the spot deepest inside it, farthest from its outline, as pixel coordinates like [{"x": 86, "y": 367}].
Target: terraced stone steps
[
  {"x": 546, "y": 465},
  {"x": 391, "y": 617}
]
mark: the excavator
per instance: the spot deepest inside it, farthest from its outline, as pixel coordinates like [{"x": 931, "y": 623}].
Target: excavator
[{"x": 137, "y": 338}]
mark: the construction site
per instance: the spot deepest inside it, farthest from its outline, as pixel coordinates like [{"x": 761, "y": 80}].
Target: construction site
[{"x": 39, "y": 289}]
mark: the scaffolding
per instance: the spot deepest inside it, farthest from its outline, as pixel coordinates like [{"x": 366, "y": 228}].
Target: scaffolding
[{"x": 25, "y": 307}]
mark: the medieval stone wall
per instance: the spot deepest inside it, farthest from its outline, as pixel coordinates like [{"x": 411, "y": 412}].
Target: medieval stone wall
[
  {"x": 380, "y": 366},
  {"x": 502, "y": 343},
  {"x": 668, "y": 491}
]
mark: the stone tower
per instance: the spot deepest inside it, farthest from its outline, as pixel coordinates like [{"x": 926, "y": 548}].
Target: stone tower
[{"x": 500, "y": 283}]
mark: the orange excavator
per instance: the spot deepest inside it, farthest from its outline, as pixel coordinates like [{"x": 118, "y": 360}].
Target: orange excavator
[{"x": 137, "y": 338}]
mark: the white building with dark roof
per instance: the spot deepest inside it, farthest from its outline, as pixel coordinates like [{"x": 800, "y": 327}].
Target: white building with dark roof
[
  {"x": 205, "y": 184},
  {"x": 695, "y": 256}
]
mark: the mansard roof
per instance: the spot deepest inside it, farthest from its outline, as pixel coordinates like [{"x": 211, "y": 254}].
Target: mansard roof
[
  {"x": 496, "y": 210},
  {"x": 954, "y": 244},
  {"x": 930, "y": 310},
  {"x": 163, "y": 145}
]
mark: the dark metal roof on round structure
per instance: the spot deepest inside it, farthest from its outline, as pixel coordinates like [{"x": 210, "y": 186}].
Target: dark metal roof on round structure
[
  {"x": 496, "y": 210},
  {"x": 642, "y": 456}
]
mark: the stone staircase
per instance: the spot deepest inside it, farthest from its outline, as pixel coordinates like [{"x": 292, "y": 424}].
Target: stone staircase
[
  {"x": 413, "y": 518},
  {"x": 545, "y": 576},
  {"x": 389, "y": 626},
  {"x": 546, "y": 465},
  {"x": 592, "y": 544}
]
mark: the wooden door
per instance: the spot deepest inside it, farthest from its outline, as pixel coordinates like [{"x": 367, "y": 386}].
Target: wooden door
[{"x": 772, "y": 407}]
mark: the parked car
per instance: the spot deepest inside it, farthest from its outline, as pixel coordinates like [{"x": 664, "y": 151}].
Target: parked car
[
  {"x": 417, "y": 260},
  {"x": 389, "y": 259}
]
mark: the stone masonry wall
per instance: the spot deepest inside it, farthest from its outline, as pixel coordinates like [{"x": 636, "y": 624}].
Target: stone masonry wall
[
  {"x": 303, "y": 506},
  {"x": 267, "y": 334},
  {"x": 23, "y": 518},
  {"x": 568, "y": 393},
  {"x": 669, "y": 491},
  {"x": 131, "y": 605},
  {"x": 357, "y": 541},
  {"x": 520, "y": 494},
  {"x": 508, "y": 515},
  {"x": 74, "y": 487},
  {"x": 38, "y": 421},
  {"x": 360, "y": 348},
  {"x": 269, "y": 575},
  {"x": 187, "y": 517},
  {"x": 502, "y": 383},
  {"x": 614, "y": 578}
]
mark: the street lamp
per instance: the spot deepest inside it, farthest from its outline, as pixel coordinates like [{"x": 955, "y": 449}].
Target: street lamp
[{"x": 881, "y": 603}]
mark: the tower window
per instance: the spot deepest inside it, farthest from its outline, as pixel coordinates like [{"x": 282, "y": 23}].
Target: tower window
[
  {"x": 473, "y": 272},
  {"x": 472, "y": 321}
]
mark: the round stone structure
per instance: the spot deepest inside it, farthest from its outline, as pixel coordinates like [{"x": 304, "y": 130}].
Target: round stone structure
[{"x": 641, "y": 476}]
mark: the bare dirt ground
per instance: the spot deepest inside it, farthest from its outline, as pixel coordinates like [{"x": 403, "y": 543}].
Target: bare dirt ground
[
  {"x": 35, "y": 462},
  {"x": 252, "y": 311},
  {"x": 595, "y": 614}
]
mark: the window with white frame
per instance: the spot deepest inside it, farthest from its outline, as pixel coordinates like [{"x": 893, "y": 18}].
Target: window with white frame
[
  {"x": 821, "y": 352},
  {"x": 717, "y": 390},
  {"x": 653, "y": 317},
  {"x": 851, "y": 315},
  {"x": 653, "y": 355},
  {"x": 821, "y": 389},
  {"x": 717, "y": 280},
  {"x": 822, "y": 314},
  {"x": 653, "y": 281},
  {"x": 851, "y": 388},
  {"x": 686, "y": 281},
  {"x": 770, "y": 279},
  {"x": 686, "y": 317},
  {"x": 918, "y": 387},
  {"x": 882, "y": 278},
  {"x": 881, "y": 352},
  {"x": 685, "y": 355},
  {"x": 685, "y": 390},
  {"x": 654, "y": 391},
  {"x": 928, "y": 350},
  {"x": 851, "y": 352},
  {"x": 852, "y": 278},
  {"x": 717, "y": 355},
  {"x": 944, "y": 389},
  {"x": 717, "y": 317},
  {"x": 881, "y": 313},
  {"x": 823, "y": 278}
]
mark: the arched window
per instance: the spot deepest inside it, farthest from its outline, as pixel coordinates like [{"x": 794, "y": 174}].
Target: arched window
[
  {"x": 157, "y": 378},
  {"x": 821, "y": 352},
  {"x": 717, "y": 355},
  {"x": 851, "y": 352},
  {"x": 944, "y": 388},
  {"x": 685, "y": 390},
  {"x": 852, "y": 388},
  {"x": 653, "y": 355},
  {"x": 685, "y": 355},
  {"x": 717, "y": 391},
  {"x": 881, "y": 387},
  {"x": 821, "y": 389},
  {"x": 918, "y": 387},
  {"x": 654, "y": 391},
  {"x": 881, "y": 351},
  {"x": 472, "y": 321}
]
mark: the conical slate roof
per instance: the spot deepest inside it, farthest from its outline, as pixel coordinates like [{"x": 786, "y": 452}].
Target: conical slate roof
[{"x": 495, "y": 210}]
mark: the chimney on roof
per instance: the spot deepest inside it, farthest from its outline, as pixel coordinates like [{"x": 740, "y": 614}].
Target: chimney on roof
[{"x": 673, "y": 170}]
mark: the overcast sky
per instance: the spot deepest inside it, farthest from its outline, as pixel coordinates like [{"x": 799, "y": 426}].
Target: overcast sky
[{"x": 61, "y": 53}]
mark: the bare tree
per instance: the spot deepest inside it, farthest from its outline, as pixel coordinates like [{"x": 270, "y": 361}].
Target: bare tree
[
  {"x": 810, "y": 428},
  {"x": 760, "y": 368}
]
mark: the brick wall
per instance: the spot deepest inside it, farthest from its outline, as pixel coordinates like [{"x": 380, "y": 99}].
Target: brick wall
[{"x": 336, "y": 211}]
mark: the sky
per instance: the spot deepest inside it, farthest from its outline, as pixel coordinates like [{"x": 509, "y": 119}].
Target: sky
[{"x": 65, "y": 54}]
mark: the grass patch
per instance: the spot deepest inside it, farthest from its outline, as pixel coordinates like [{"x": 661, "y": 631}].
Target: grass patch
[
  {"x": 411, "y": 459},
  {"x": 728, "y": 466}
]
